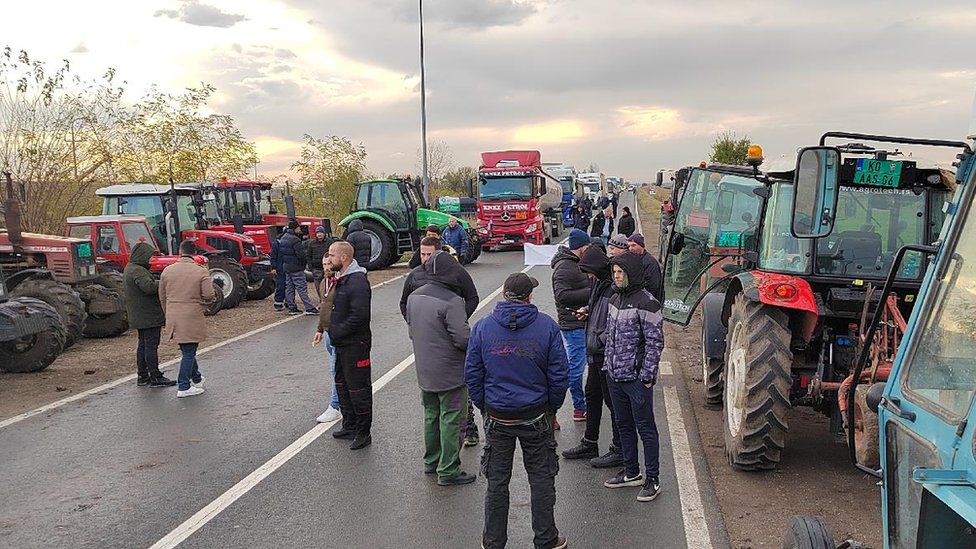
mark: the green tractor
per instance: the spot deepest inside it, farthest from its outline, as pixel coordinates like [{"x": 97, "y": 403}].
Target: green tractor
[{"x": 394, "y": 214}]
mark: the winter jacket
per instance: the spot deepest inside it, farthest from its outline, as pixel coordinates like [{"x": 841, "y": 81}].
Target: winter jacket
[
  {"x": 142, "y": 290},
  {"x": 603, "y": 202},
  {"x": 580, "y": 219},
  {"x": 276, "y": 254},
  {"x": 362, "y": 245},
  {"x": 458, "y": 280},
  {"x": 291, "y": 252},
  {"x": 328, "y": 299},
  {"x": 596, "y": 262},
  {"x": 516, "y": 366},
  {"x": 635, "y": 332},
  {"x": 599, "y": 220},
  {"x": 570, "y": 287},
  {"x": 626, "y": 226},
  {"x": 438, "y": 327},
  {"x": 185, "y": 290},
  {"x": 653, "y": 281},
  {"x": 315, "y": 250},
  {"x": 351, "y": 309},
  {"x": 456, "y": 238}
]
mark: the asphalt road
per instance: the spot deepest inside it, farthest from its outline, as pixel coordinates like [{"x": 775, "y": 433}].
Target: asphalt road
[{"x": 134, "y": 467}]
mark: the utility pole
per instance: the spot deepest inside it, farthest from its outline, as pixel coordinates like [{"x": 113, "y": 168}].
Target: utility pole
[{"x": 423, "y": 108}]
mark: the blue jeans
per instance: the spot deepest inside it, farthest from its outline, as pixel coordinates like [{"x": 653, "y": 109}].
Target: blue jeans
[
  {"x": 575, "y": 343},
  {"x": 279, "y": 297},
  {"x": 633, "y": 407},
  {"x": 327, "y": 343},
  {"x": 189, "y": 369}
]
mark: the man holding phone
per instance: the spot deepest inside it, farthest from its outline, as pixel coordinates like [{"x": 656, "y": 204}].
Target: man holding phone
[{"x": 571, "y": 289}]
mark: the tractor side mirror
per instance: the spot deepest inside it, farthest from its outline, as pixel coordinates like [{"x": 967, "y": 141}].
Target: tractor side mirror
[
  {"x": 815, "y": 192},
  {"x": 677, "y": 243},
  {"x": 873, "y": 398}
]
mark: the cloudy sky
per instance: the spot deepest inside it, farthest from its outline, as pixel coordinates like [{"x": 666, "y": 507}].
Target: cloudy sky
[{"x": 633, "y": 86}]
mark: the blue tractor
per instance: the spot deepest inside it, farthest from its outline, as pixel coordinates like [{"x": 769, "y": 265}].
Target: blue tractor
[{"x": 926, "y": 418}]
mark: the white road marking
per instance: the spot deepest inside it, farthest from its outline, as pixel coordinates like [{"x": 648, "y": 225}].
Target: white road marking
[
  {"x": 205, "y": 515},
  {"x": 164, "y": 366},
  {"x": 692, "y": 510},
  {"x": 664, "y": 368}
]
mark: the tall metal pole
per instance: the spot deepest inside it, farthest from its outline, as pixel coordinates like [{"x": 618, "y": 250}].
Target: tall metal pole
[{"x": 423, "y": 108}]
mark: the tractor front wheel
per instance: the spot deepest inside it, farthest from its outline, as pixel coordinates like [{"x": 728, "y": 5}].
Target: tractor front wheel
[
  {"x": 65, "y": 301},
  {"x": 383, "y": 249},
  {"x": 231, "y": 278},
  {"x": 808, "y": 533},
  {"x": 111, "y": 324},
  {"x": 34, "y": 352},
  {"x": 757, "y": 384},
  {"x": 261, "y": 289}
]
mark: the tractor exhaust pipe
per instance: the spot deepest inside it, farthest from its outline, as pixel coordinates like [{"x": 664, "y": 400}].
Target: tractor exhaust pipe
[{"x": 11, "y": 214}]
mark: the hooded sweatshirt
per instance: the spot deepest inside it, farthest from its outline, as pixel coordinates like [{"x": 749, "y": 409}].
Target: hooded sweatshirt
[
  {"x": 362, "y": 245},
  {"x": 570, "y": 287},
  {"x": 142, "y": 290},
  {"x": 595, "y": 262},
  {"x": 516, "y": 366},
  {"x": 438, "y": 326},
  {"x": 349, "y": 323},
  {"x": 635, "y": 332}
]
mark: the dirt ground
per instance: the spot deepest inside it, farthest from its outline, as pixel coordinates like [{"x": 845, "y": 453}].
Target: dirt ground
[
  {"x": 814, "y": 477},
  {"x": 92, "y": 362}
]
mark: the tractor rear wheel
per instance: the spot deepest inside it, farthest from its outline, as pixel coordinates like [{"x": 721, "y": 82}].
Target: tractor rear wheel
[
  {"x": 757, "y": 385},
  {"x": 866, "y": 430},
  {"x": 111, "y": 324},
  {"x": 383, "y": 249},
  {"x": 231, "y": 278},
  {"x": 808, "y": 533},
  {"x": 34, "y": 352},
  {"x": 261, "y": 289},
  {"x": 217, "y": 304},
  {"x": 65, "y": 301},
  {"x": 712, "y": 376}
]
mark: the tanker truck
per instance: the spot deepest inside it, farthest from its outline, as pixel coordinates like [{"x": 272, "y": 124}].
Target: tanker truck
[{"x": 518, "y": 201}]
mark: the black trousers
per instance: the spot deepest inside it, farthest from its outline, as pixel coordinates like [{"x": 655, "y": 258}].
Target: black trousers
[
  {"x": 597, "y": 394},
  {"x": 147, "y": 352},
  {"x": 354, "y": 383},
  {"x": 541, "y": 465}
]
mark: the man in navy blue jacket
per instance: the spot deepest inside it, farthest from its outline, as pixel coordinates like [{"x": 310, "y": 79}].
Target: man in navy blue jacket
[{"x": 517, "y": 375}]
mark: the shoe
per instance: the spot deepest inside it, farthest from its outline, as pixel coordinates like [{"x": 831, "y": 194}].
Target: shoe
[
  {"x": 192, "y": 391},
  {"x": 344, "y": 434},
  {"x": 312, "y": 311},
  {"x": 142, "y": 381},
  {"x": 329, "y": 415},
  {"x": 579, "y": 415},
  {"x": 555, "y": 424},
  {"x": 471, "y": 440},
  {"x": 430, "y": 471},
  {"x": 161, "y": 381},
  {"x": 198, "y": 383},
  {"x": 457, "y": 480},
  {"x": 279, "y": 307},
  {"x": 360, "y": 442},
  {"x": 294, "y": 312},
  {"x": 561, "y": 543},
  {"x": 650, "y": 490},
  {"x": 622, "y": 480},
  {"x": 613, "y": 458},
  {"x": 584, "y": 450}
]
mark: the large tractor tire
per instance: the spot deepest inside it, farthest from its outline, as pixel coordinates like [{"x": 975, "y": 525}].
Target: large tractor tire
[
  {"x": 65, "y": 301},
  {"x": 231, "y": 278},
  {"x": 34, "y": 352},
  {"x": 757, "y": 385},
  {"x": 712, "y": 377},
  {"x": 808, "y": 533},
  {"x": 110, "y": 324},
  {"x": 217, "y": 304},
  {"x": 866, "y": 430},
  {"x": 383, "y": 251},
  {"x": 260, "y": 290}
]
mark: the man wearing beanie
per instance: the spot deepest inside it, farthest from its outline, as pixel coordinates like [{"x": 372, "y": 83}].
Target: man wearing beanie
[
  {"x": 653, "y": 281},
  {"x": 618, "y": 244},
  {"x": 516, "y": 373},
  {"x": 571, "y": 289},
  {"x": 315, "y": 250}
]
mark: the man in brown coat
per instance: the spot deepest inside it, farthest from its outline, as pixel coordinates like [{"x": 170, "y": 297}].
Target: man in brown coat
[{"x": 184, "y": 291}]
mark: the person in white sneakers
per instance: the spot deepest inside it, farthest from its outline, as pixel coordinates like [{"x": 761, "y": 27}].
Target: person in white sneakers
[
  {"x": 331, "y": 413},
  {"x": 185, "y": 290}
]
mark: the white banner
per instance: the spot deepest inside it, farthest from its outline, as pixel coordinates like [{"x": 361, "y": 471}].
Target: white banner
[{"x": 539, "y": 254}]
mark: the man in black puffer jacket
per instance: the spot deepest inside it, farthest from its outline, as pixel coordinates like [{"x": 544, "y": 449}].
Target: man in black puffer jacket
[
  {"x": 571, "y": 289},
  {"x": 291, "y": 253},
  {"x": 362, "y": 245}
]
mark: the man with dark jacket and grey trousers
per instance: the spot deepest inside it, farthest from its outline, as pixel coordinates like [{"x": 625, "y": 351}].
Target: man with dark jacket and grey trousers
[
  {"x": 571, "y": 290},
  {"x": 145, "y": 314},
  {"x": 439, "y": 330},
  {"x": 291, "y": 251}
]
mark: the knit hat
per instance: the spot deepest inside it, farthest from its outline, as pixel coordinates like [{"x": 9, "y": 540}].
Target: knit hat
[
  {"x": 519, "y": 286},
  {"x": 618, "y": 241},
  {"x": 637, "y": 238},
  {"x": 577, "y": 239},
  {"x": 320, "y": 229}
]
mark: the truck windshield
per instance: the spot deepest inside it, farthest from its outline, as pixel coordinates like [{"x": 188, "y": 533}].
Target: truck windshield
[
  {"x": 567, "y": 184},
  {"x": 593, "y": 187},
  {"x": 505, "y": 188}
]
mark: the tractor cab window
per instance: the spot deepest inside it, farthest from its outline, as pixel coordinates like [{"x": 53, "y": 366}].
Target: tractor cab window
[
  {"x": 107, "y": 240},
  {"x": 186, "y": 212},
  {"x": 135, "y": 233},
  {"x": 779, "y": 250},
  {"x": 414, "y": 194},
  {"x": 872, "y": 223},
  {"x": 149, "y": 206},
  {"x": 386, "y": 196},
  {"x": 362, "y": 197},
  {"x": 80, "y": 231},
  {"x": 241, "y": 202}
]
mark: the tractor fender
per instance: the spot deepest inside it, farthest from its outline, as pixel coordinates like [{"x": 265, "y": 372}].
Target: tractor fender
[
  {"x": 760, "y": 287},
  {"x": 427, "y": 216},
  {"x": 371, "y": 215},
  {"x": 27, "y": 274},
  {"x": 713, "y": 327}
]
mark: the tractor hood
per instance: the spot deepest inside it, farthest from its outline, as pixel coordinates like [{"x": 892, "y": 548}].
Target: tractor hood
[{"x": 433, "y": 217}]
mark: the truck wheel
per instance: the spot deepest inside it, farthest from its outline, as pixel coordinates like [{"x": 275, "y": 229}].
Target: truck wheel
[
  {"x": 808, "y": 533},
  {"x": 383, "y": 246},
  {"x": 757, "y": 385},
  {"x": 111, "y": 324},
  {"x": 65, "y": 301},
  {"x": 231, "y": 278},
  {"x": 217, "y": 304},
  {"x": 712, "y": 377},
  {"x": 260, "y": 289},
  {"x": 866, "y": 430},
  {"x": 34, "y": 352}
]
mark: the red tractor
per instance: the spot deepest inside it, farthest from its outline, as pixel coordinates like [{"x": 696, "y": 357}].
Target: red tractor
[{"x": 32, "y": 333}]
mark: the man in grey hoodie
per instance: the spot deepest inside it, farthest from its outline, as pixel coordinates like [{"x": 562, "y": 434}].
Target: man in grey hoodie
[{"x": 439, "y": 330}]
